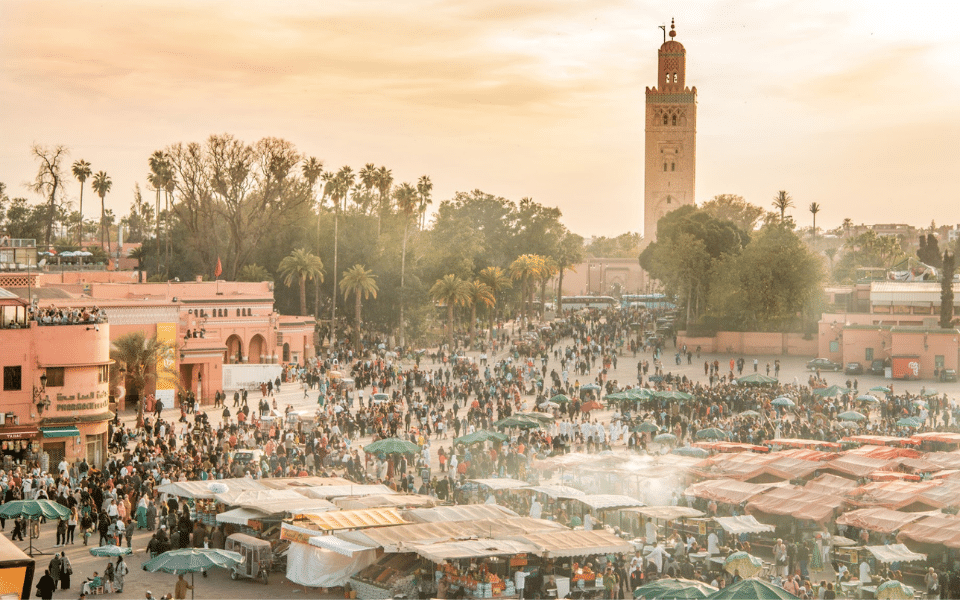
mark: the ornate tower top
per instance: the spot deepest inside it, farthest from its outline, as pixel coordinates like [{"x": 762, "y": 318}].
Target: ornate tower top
[{"x": 672, "y": 63}]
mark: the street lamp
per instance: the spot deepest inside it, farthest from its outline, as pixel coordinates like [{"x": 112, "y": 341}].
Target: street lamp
[{"x": 41, "y": 402}]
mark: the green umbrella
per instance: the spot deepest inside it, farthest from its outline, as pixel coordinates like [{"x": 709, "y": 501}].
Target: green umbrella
[
  {"x": 881, "y": 389},
  {"x": 639, "y": 393},
  {"x": 665, "y": 438},
  {"x": 867, "y": 398},
  {"x": 518, "y": 421},
  {"x": 909, "y": 422},
  {"x": 560, "y": 399},
  {"x": 478, "y": 437},
  {"x": 752, "y": 589},
  {"x": 673, "y": 395},
  {"x": 784, "y": 401},
  {"x": 749, "y": 413},
  {"x": 930, "y": 392},
  {"x": 757, "y": 379},
  {"x": 110, "y": 550},
  {"x": 895, "y": 590},
  {"x": 191, "y": 560},
  {"x": 34, "y": 509},
  {"x": 674, "y": 589},
  {"x": 747, "y": 564},
  {"x": 712, "y": 433},
  {"x": 851, "y": 415},
  {"x": 828, "y": 392},
  {"x": 646, "y": 427},
  {"x": 536, "y": 416},
  {"x": 618, "y": 396},
  {"x": 392, "y": 446},
  {"x": 590, "y": 387},
  {"x": 693, "y": 452}
]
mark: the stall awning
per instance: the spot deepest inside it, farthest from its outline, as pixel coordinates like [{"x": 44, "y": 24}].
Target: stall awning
[
  {"x": 894, "y": 553},
  {"x": 240, "y": 516},
  {"x": 742, "y": 524},
  {"x": 206, "y": 489},
  {"x": 556, "y": 491},
  {"x": 17, "y": 433},
  {"x": 666, "y": 513},
  {"x": 503, "y": 483},
  {"x": 576, "y": 543},
  {"x": 463, "y": 512},
  {"x": 403, "y": 537},
  {"x": 881, "y": 519},
  {"x": 355, "y": 519},
  {"x": 60, "y": 432},
  {"x": 473, "y": 549},
  {"x": 339, "y": 491},
  {"x": 608, "y": 501},
  {"x": 335, "y": 544}
]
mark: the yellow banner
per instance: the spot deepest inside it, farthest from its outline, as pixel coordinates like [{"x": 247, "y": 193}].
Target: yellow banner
[{"x": 166, "y": 367}]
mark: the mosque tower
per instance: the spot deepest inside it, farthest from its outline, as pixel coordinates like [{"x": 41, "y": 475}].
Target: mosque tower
[{"x": 671, "y": 138}]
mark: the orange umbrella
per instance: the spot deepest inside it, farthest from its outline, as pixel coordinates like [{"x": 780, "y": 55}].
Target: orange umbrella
[{"x": 592, "y": 405}]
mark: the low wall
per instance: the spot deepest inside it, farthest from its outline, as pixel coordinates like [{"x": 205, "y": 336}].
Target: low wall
[
  {"x": 752, "y": 343},
  {"x": 238, "y": 377}
]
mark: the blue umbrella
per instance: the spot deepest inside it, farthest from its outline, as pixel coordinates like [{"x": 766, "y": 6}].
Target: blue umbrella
[{"x": 784, "y": 401}]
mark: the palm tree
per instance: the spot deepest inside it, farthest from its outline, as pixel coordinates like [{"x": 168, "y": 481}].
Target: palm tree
[
  {"x": 549, "y": 270},
  {"x": 478, "y": 293},
  {"x": 101, "y": 185},
  {"x": 368, "y": 179},
  {"x": 424, "y": 188},
  {"x": 301, "y": 266},
  {"x": 312, "y": 170},
  {"x": 831, "y": 254},
  {"x": 81, "y": 170},
  {"x": 847, "y": 225},
  {"x": 782, "y": 201},
  {"x": 144, "y": 359},
  {"x": 406, "y": 197},
  {"x": 451, "y": 291},
  {"x": 254, "y": 272},
  {"x": 814, "y": 209},
  {"x": 498, "y": 282},
  {"x": 158, "y": 180},
  {"x": 526, "y": 268},
  {"x": 362, "y": 283},
  {"x": 339, "y": 188},
  {"x": 384, "y": 182}
]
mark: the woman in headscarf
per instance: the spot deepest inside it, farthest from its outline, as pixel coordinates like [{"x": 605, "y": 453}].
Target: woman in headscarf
[
  {"x": 142, "y": 513},
  {"x": 118, "y": 574}
]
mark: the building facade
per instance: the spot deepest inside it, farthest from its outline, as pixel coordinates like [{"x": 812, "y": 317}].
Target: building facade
[
  {"x": 56, "y": 388},
  {"x": 671, "y": 138}
]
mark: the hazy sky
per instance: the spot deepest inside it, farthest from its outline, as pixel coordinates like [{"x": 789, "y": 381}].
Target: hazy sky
[{"x": 851, "y": 104}]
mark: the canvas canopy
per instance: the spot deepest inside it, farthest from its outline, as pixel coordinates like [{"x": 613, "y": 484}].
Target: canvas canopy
[
  {"x": 894, "y": 553},
  {"x": 377, "y": 501},
  {"x": 852, "y": 465},
  {"x": 240, "y": 516},
  {"x": 354, "y": 519},
  {"x": 797, "y": 503},
  {"x": 728, "y": 491},
  {"x": 201, "y": 489},
  {"x": 576, "y": 543},
  {"x": 335, "y": 544},
  {"x": 473, "y": 549},
  {"x": 932, "y": 530},
  {"x": 402, "y": 537},
  {"x": 463, "y": 512},
  {"x": 608, "y": 501},
  {"x": 338, "y": 491},
  {"x": 880, "y": 519},
  {"x": 503, "y": 483},
  {"x": 666, "y": 513},
  {"x": 742, "y": 524},
  {"x": 556, "y": 491}
]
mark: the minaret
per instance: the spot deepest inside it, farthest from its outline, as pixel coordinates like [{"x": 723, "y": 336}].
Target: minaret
[{"x": 671, "y": 138}]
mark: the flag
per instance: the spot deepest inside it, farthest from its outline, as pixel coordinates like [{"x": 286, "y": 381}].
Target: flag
[{"x": 219, "y": 269}]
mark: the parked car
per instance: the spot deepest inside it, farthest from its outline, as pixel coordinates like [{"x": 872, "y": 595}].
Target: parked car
[
  {"x": 876, "y": 367},
  {"x": 824, "y": 364},
  {"x": 948, "y": 375},
  {"x": 853, "y": 368}
]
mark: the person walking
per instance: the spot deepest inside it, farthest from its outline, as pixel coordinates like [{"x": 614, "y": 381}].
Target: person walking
[
  {"x": 66, "y": 570},
  {"x": 46, "y": 586}
]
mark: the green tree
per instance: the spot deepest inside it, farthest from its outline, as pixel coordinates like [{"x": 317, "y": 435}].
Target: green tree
[
  {"x": 814, "y": 209},
  {"x": 362, "y": 283},
  {"x": 339, "y": 186},
  {"x": 782, "y": 278},
  {"x": 479, "y": 294},
  {"x": 301, "y": 266},
  {"x": 526, "y": 269},
  {"x": 450, "y": 291},
  {"x": 101, "y": 185},
  {"x": 81, "y": 170},
  {"x": 384, "y": 183},
  {"x": 255, "y": 272},
  {"x": 730, "y": 207},
  {"x": 569, "y": 254},
  {"x": 49, "y": 182},
  {"x": 946, "y": 289},
  {"x": 781, "y": 202},
  {"x": 424, "y": 191},
  {"x": 406, "y": 198},
  {"x": 625, "y": 245},
  {"x": 498, "y": 282},
  {"x": 144, "y": 360}
]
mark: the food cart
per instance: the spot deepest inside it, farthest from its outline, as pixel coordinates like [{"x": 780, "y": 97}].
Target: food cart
[{"x": 257, "y": 557}]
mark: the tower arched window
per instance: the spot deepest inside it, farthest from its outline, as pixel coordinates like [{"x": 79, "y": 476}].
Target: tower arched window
[
  {"x": 674, "y": 120},
  {"x": 675, "y": 79},
  {"x": 664, "y": 167},
  {"x": 665, "y": 119},
  {"x": 673, "y": 166},
  {"x": 669, "y": 199}
]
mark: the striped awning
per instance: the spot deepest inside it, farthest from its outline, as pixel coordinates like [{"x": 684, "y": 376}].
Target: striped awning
[
  {"x": 59, "y": 432},
  {"x": 354, "y": 519}
]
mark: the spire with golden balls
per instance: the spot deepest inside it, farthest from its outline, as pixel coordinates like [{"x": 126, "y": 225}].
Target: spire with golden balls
[{"x": 673, "y": 29}]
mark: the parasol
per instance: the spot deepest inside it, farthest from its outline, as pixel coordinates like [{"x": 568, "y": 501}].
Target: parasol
[
  {"x": 851, "y": 415},
  {"x": 110, "y": 550},
  {"x": 909, "y": 422},
  {"x": 480, "y": 436},
  {"x": 666, "y": 438},
  {"x": 784, "y": 401},
  {"x": 674, "y": 589},
  {"x": 693, "y": 452},
  {"x": 560, "y": 399},
  {"x": 712, "y": 433},
  {"x": 646, "y": 427},
  {"x": 747, "y": 564},
  {"x": 591, "y": 405},
  {"x": 894, "y": 589},
  {"x": 749, "y": 413},
  {"x": 392, "y": 446},
  {"x": 34, "y": 509},
  {"x": 868, "y": 398},
  {"x": 752, "y": 589},
  {"x": 881, "y": 389},
  {"x": 191, "y": 560}
]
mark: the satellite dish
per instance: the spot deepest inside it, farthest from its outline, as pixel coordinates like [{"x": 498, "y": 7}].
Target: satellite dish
[{"x": 42, "y": 263}]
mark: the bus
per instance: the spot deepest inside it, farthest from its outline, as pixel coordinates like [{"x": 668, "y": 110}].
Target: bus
[
  {"x": 650, "y": 301},
  {"x": 578, "y": 302}
]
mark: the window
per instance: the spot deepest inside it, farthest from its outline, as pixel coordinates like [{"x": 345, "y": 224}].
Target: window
[
  {"x": 834, "y": 346},
  {"x": 674, "y": 120},
  {"x": 103, "y": 373},
  {"x": 54, "y": 377},
  {"x": 868, "y": 354},
  {"x": 938, "y": 361},
  {"x": 673, "y": 166},
  {"x": 664, "y": 167},
  {"x": 669, "y": 199},
  {"x": 675, "y": 78},
  {"x": 665, "y": 119},
  {"x": 238, "y": 312},
  {"x": 12, "y": 379}
]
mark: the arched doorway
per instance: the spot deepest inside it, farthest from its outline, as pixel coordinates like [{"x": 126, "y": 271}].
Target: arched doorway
[
  {"x": 257, "y": 347},
  {"x": 286, "y": 352},
  {"x": 234, "y": 353}
]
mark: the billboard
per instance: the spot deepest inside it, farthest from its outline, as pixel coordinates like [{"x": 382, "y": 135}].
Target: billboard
[{"x": 167, "y": 367}]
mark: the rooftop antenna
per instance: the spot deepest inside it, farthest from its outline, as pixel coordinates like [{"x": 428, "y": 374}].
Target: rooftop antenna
[{"x": 664, "y": 28}]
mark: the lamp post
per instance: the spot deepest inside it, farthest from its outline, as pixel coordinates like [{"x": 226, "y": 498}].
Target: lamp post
[{"x": 41, "y": 402}]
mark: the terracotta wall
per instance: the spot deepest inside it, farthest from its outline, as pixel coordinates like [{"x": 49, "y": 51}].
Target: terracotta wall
[{"x": 752, "y": 343}]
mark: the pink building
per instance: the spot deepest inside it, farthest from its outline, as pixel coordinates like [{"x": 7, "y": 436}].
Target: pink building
[{"x": 55, "y": 396}]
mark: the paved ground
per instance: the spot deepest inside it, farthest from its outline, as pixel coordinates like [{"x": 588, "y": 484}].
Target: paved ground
[{"x": 219, "y": 584}]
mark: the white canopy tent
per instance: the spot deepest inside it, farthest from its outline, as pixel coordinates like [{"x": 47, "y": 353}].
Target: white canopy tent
[
  {"x": 742, "y": 524},
  {"x": 473, "y": 549},
  {"x": 894, "y": 553}
]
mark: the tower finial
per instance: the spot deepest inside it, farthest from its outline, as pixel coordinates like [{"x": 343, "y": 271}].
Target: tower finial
[{"x": 673, "y": 29}]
